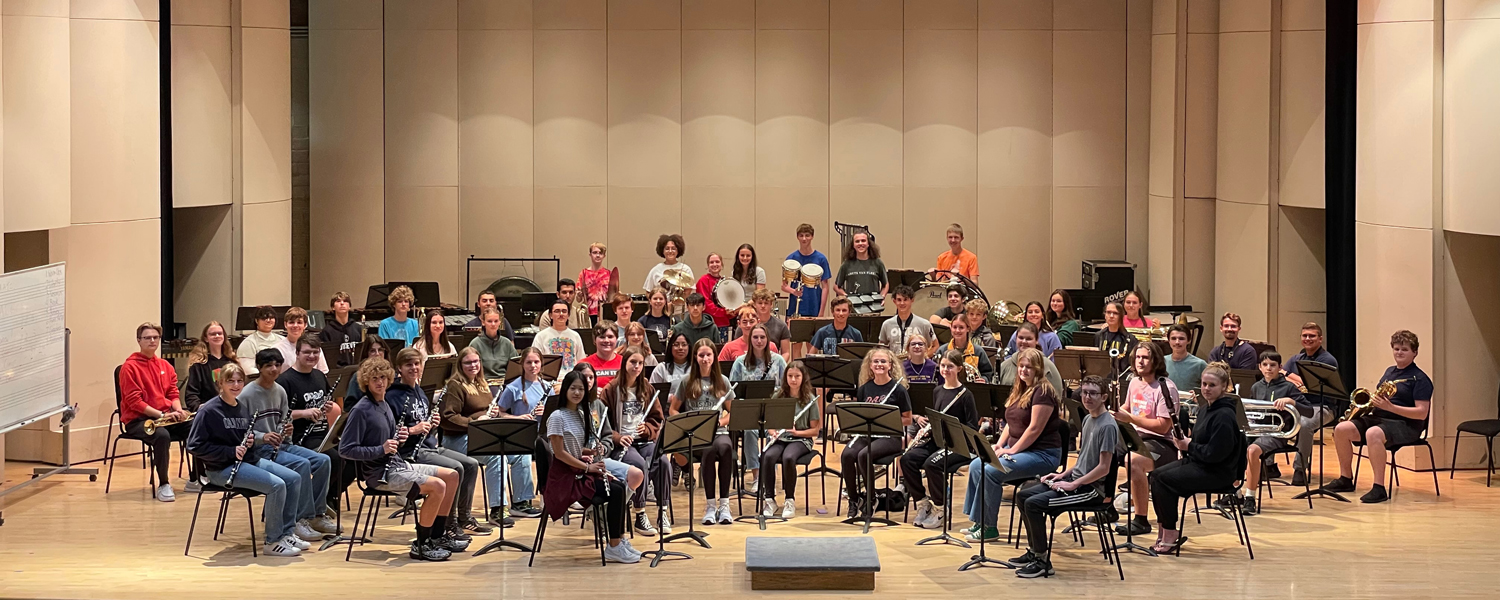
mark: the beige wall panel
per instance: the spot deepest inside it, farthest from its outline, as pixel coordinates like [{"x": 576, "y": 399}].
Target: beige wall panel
[
  {"x": 345, "y": 14},
  {"x": 1014, "y": 243},
  {"x": 1302, "y": 267},
  {"x": 584, "y": 210},
  {"x": 1163, "y": 17},
  {"x": 1198, "y": 244},
  {"x": 266, "y": 115},
  {"x": 1302, "y": 55},
  {"x": 942, "y": 14},
  {"x": 645, "y": 109},
  {"x": 1391, "y": 11},
  {"x": 1244, "y": 15},
  {"x": 1015, "y": 108},
  {"x": 1160, "y": 181},
  {"x": 941, "y": 108},
  {"x": 778, "y": 211},
  {"x": 718, "y": 14},
  {"x": 570, "y": 115},
  {"x": 272, "y": 14},
  {"x": 419, "y": 240},
  {"x": 923, "y": 234},
  {"x": 1200, "y": 160},
  {"x": 645, "y": 14},
  {"x": 267, "y": 258},
  {"x": 1203, "y": 16},
  {"x": 1100, "y": 236},
  {"x": 718, "y": 108},
  {"x": 115, "y": 132},
  {"x": 1015, "y": 14},
  {"x": 866, "y": 14},
  {"x": 37, "y": 182},
  {"x": 791, "y": 108},
  {"x": 719, "y": 219},
  {"x": 201, "y": 243},
  {"x": 495, "y": 221},
  {"x": 1101, "y": 15},
  {"x": 1471, "y": 146},
  {"x": 1162, "y": 249},
  {"x": 1394, "y": 271},
  {"x": 1089, "y": 108},
  {"x": 1472, "y": 354},
  {"x": 120, "y": 10},
  {"x": 1471, "y": 9},
  {"x": 1240, "y": 281},
  {"x": 637, "y": 215},
  {"x": 202, "y": 144},
  {"x": 1244, "y": 117},
  {"x": 1307, "y": 15},
  {"x": 346, "y": 165},
  {"x": 494, "y": 110},
  {"x": 45, "y": 8},
  {"x": 568, "y": 14},
  {"x": 1138, "y": 136},
  {"x": 418, "y": 15},
  {"x": 494, "y": 14},
  {"x": 791, "y": 14},
  {"x": 865, "y": 106},
  {"x": 880, "y": 207},
  {"x": 421, "y": 108},
  {"x": 185, "y": 12},
  {"x": 1393, "y": 151}
]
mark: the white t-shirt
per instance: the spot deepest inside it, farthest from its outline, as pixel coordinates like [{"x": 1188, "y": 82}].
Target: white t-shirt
[
  {"x": 566, "y": 343},
  {"x": 655, "y": 275},
  {"x": 289, "y": 355},
  {"x": 760, "y": 279}
]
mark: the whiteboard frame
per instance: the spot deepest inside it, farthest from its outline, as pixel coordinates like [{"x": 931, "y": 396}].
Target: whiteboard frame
[{"x": 67, "y": 355}]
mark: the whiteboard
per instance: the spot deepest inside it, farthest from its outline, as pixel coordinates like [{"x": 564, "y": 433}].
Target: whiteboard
[{"x": 33, "y": 345}]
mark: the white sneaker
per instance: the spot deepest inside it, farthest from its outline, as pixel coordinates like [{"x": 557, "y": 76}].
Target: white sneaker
[
  {"x": 193, "y": 486},
  {"x": 621, "y": 554},
  {"x": 664, "y": 524},
  {"x": 300, "y": 543},
  {"x": 323, "y": 524},
  {"x": 711, "y": 513},
  {"x": 924, "y": 508},
  {"x": 769, "y": 510},
  {"x": 164, "y": 493},
  {"x": 305, "y": 531},
  {"x": 934, "y": 519},
  {"x": 789, "y": 508},
  {"x": 283, "y": 547},
  {"x": 724, "y": 517},
  {"x": 626, "y": 543}
]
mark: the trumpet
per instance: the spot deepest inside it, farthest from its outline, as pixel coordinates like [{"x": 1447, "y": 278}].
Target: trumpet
[
  {"x": 1263, "y": 418},
  {"x": 167, "y": 419},
  {"x": 1362, "y": 401}
]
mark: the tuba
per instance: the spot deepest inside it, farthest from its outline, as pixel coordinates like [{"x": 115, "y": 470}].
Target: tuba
[
  {"x": 1360, "y": 402},
  {"x": 1263, "y": 418}
]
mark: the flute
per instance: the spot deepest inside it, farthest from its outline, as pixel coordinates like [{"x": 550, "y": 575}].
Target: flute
[{"x": 785, "y": 434}]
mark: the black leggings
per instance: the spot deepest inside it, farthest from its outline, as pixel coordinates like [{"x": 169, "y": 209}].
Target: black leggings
[
  {"x": 468, "y": 473},
  {"x": 614, "y": 508},
  {"x": 644, "y": 457},
  {"x": 1171, "y": 483},
  {"x": 926, "y": 460},
  {"x": 160, "y": 442},
  {"x": 860, "y": 453},
  {"x": 718, "y": 459},
  {"x": 785, "y": 454}
]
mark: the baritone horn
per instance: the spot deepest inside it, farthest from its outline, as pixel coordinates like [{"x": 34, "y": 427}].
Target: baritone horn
[{"x": 1263, "y": 418}]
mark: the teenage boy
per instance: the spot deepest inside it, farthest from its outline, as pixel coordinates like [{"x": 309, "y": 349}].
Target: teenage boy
[
  {"x": 826, "y": 339},
  {"x": 495, "y": 350},
  {"x": 397, "y": 327},
  {"x": 263, "y": 393},
  {"x": 308, "y": 395},
  {"x": 957, "y": 259},
  {"x": 342, "y": 330},
  {"x": 604, "y": 360},
  {"x": 747, "y": 320},
  {"x": 556, "y": 338},
  {"x": 578, "y": 311},
  {"x": 1273, "y": 386},
  {"x": 776, "y": 330},
  {"x": 487, "y": 300},
  {"x": 260, "y": 339},
  {"x": 1396, "y": 419},
  {"x": 148, "y": 390},
  {"x": 296, "y": 325},
  {"x": 1312, "y": 350},
  {"x": 806, "y": 301},
  {"x": 697, "y": 325},
  {"x": 1238, "y": 353},
  {"x": 895, "y": 330},
  {"x": 412, "y": 408},
  {"x": 1082, "y": 486},
  {"x": 1185, "y": 370},
  {"x": 624, "y": 310}
]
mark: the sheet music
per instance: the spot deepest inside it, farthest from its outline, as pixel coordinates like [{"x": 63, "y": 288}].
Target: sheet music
[{"x": 32, "y": 334}]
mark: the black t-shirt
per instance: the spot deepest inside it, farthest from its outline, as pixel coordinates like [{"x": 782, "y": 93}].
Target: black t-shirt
[
  {"x": 963, "y": 409},
  {"x": 1407, "y": 392},
  {"x": 304, "y": 391},
  {"x": 348, "y": 336},
  {"x": 871, "y": 392},
  {"x": 662, "y": 325},
  {"x": 946, "y": 312}
]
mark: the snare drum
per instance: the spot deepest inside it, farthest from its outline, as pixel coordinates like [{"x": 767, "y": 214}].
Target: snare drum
[{"x": 812, "y": 275}]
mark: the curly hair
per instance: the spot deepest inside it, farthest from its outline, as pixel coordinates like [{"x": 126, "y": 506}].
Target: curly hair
[{"x": 675, "y": 238}]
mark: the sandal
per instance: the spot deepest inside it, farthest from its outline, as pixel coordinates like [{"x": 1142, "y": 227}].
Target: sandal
[{"x": 1174, "y": 548}]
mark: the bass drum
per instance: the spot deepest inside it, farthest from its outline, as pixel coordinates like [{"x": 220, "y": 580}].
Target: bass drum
[
  {"x": 511, "y": 288},
  {"x": 930, "y": 299}
]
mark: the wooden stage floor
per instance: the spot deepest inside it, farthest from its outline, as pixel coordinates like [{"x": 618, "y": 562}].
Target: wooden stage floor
[{"x": 63, "y": 538}]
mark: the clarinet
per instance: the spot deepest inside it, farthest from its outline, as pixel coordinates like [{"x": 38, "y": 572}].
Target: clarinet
[
  {"x": 286, "y": 434},
  {"x": 247, "y": 444}
]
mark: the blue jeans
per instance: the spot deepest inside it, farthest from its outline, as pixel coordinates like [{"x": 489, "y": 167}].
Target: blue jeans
[
  {"x": 494, "y": 485},
  {"x": 1023, "y": 465},
  {"x": 310, "y": 504},
  {"x": 277, "y": 484},
  {"x": 752, "y": 451}
]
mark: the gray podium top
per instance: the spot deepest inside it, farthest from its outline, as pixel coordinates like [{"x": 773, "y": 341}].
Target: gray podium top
[{"x": 851, "y": 553}]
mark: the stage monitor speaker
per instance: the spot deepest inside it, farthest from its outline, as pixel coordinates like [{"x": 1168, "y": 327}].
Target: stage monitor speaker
[{"x": 1108, "y": 276}]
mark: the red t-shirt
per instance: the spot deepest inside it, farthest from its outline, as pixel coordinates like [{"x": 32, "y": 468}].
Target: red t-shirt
[{"x": 604, "y": 371}]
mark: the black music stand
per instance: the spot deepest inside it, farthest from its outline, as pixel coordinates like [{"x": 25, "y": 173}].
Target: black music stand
[
  {"x": 868, "y": 326},
  {"x": 872, "y": 420},
  {"x": 829, "y": 373},
  {"x": 331, "y": 441},
  {"x": 980, "y": 447},
  {"x": 342, "y": 378},
  {"x": 1073, "y": 364},
  {"x": 943, "y": 334},
  {"x": 950, "y": 439},
  {"x": 1326, "y": 378},
  {"x": 1133, "y": 444},
  {"x": 587, "y": 335},
  {"x": 1242, "y": 381},
  {"x": 856, "y": 351},
  {"x": 920, "y": 395},
  {"x": 753, "y": 388},
  {"x": 551, "y": 367},
  {"x": 989, "y": 400},
  {"x": 683, "y": 433},
  {"x": 502, "y": 437},
  {"x": 760, "y": 414},
  {"x": 803, "y": 328},
  {"x": 436, "y": 371}
]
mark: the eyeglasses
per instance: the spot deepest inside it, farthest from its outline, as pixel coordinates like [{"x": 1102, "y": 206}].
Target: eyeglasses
[
  {"x": 1087, "y": 393},
  {"x": 917, "y": 344}
]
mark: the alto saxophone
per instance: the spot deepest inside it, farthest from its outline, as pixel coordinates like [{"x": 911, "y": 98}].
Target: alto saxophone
[{"x": 926, "y": 430}]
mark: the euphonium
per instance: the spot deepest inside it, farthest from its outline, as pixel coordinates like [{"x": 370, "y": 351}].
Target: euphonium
[
  {"x": 168, "y": 419},
  {"x": 1263, "y": 418},
  {"x": 1360, "y": 400}
]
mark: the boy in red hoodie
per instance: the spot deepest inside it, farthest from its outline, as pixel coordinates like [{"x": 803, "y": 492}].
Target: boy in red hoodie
[{"x": 148, "y": 390}]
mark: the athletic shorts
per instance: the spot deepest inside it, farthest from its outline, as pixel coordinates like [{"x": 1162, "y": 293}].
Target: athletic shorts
[
  {"x": 401, "y": 478},
  {"x": 1397, "y": 432}
]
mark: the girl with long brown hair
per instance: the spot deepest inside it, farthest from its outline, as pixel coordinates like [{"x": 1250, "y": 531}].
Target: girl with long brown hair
[
  {"x": 706, "y": 388},
  {"x": 1030, "y": 445}
]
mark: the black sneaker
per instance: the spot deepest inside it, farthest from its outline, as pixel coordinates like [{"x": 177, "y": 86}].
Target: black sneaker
[
  {"x": 1110, "y": 516},
  {"x": 525, "y": 510},
  {"x": 428, "y": 551},
  {"x": 1040, "y": 568},
  {"x": 1299, "y": 478},
  {"x": 473, "y": 525},
  {"x": 1340, "y": 485},
  {"x": 1024, "y": 559},
  {"x": 1250, "y": 507},
  {"x": 1136, "y": 526},
  {"x": 1375, "y": 495},
  {"x": 456, "y": 532},
  {"x": 450, "y": 543},
  {"x": 1272, "y": 470},
  {"x": 498, "y": 517}
]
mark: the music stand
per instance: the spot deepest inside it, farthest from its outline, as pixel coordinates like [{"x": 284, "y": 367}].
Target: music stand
[
  {"x": 856, "y": 351},
  {"x": 502, "y": 437},
  {"x": 946, "y": 435},
  {"x": 342, "y": 378},
  {"x": 943, "y": 334},
  {"x": 920, "y": 395},
  {"x": 753, "y": 389},
  {"x": 551, "y": 367},
  {"x": 980, "y": 448},
  {"x": 331, "y": 442},
  {"x": 1242, "y": 380},
  {"x": 437, "y": 371},
  {"x": 1133, "y": 444},
  {"x": 1074, "y": 363},
  {"x": 872, "y": 420},
  {"x": 587, "y": 335},
  {"x": 868, "y": 326},
  {"x": 683, "y": 433},
  {"x": 760, "y": 414},
  {"x": 829, "y": 373},
  {"x": 1326, "y": 378},
  {"x": 654, "y": 341},
  {"x": 989, "y": 399},
  {"x": 803, "y": 328}
]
